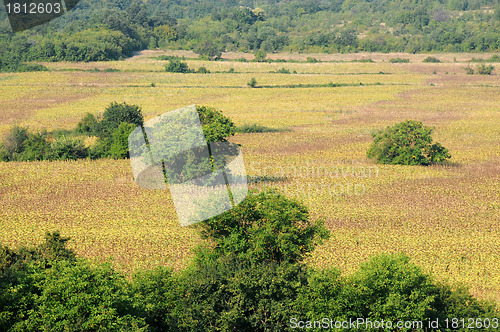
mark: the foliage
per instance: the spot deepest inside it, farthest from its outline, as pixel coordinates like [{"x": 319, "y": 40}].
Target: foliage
[
  {"x": 283, "y": 70},
  {"x": 88, "y": 125},
  {"x": 250, "y": 276},
  {"x": 177, "y": 66},
  {"x": 68, "y": 148},
  {"x": 388, "y": 287},
  {"x": 216, "y": 126},
  {"x": 13, "y": 142},
  {"x": 225, "y": 293},
  {"x": 399, "y": 60},
  {"x": 256, "y": 128},
  {"x": 406, "y": 143},
  {"x": 208, "y": 49},
  {"x": 255, "y": 232},
  {"x": 260, "y": 55},
  {"x": 431, "y": 59},
  {"x": 115, "y": 114},
  {"x": 483, "y": 69},
  {"x": 469, "y": 70},
  {"x": 203, "y": 70},
  {"x": 252, "y": 83},
  {"x": 119, "y": 147}
]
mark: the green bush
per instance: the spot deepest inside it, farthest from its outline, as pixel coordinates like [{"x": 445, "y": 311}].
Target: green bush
[
  {"x": 80, "y": 296},
  {"x": 260, "y": 56},
  {"x": 469, "y": 70},
  {"x": 283, "y": 71},
  {"x": 483, "y": 69},
  {"x": 203, "y": 70},
  {"x": 431, "y": 59},
  {"x": 88, "y": 125},
  {"x": 399, "y": 60},
  {"x": 119, "y": 147},
  {"x": 13, "y": 142},
  {"x": 223, "y": 293},
  {"x": 311, "y": 60},
  {"x": 252, "y": 83},
  {"x": 406, "y": 143},
  {"x": 68, "y": 148},
  {"x": 36, "y": 147},
  {"x": 256, "y": 128},
  {"x": 388, "y": 287},
  {"x": 115, "y": 114},
  {"x": 177, "y": 66},
  {"x": 255, "y": 231},
  {"x": 216, "y": 126}
]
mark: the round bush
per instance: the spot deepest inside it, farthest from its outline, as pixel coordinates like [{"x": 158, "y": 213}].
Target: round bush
[{"x": 406, "y": 143}]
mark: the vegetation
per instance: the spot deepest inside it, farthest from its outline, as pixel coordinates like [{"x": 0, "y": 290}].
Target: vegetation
[
  {"x": 177, "y": 66},
  {"x": 431, "y": 59},
  {"x": 249, "y": 276},
  {"x": 256, "y": 128},
  {"x": 252, "y": 83},
  {"x": 406, "y": 143},
  {"x": 399, "y": 60},
  {"x": 112, "y": 30}
]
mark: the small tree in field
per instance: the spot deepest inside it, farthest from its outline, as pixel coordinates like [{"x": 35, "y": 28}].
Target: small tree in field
[{"x": 406, "y": 143}]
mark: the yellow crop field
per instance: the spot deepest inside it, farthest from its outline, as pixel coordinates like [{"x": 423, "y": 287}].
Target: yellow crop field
[{"x": 445, "y": 217}]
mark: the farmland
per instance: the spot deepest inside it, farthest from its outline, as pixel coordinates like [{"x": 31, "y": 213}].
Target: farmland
[{"x": 445, "y": 217}]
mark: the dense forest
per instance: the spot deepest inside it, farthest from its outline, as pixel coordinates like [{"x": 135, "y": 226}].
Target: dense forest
[{"x": 113, "y": 29}]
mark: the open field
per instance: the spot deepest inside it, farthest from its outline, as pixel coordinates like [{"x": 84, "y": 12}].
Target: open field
[{"x": 447, "y": 218}]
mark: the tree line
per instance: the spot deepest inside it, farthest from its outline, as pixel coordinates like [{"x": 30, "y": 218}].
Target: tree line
[{"x": 113, "y": 29}]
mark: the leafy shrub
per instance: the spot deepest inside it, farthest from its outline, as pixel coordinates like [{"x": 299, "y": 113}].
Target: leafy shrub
[
  {"x": 483, "y": 69},
  {"x": 115, "y": 114},
  {"x": 229, "y": 294},
  {"x": 255, "y": 232},
  {"x": 252, "y": 83},
  {"x": 312, "y": 60},
  {"x": 364, "y": 60},
  {"x": 119, "y": 147},
  {"x": 203, "y": 70},
  {"x": 155, "y": 292},
  {"x": 68, "y": 148},
  {"x": 406, "y": 143},
  {"x": 255, "y": 128},
  {"x": 88, "y": 125},
  {"x": 388, "y": 287},
  {"x": 13, "y": 142},
  {"x": 283, "y": 71},
  {"x": 431, "y": 59},
  {"x": 399, "y": 60},
  {"x": 177, "y": 66},
  {"x": 29, "y": 67},
  {"x": 260, "y": 56},
  {"x": 36, "y": 147},
  {"x": 77, "y": 296},
  {"x": 469, "y": 70}
]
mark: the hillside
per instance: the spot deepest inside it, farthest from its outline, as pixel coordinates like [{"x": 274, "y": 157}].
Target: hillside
[{"x": 112, "y": 29}]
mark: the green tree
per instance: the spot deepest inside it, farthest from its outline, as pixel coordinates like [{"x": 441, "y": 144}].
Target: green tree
[
  {"x": 177, "y": 66},
  {"x": 260, "y": 55},
  {"x": 208, "y": 49},
  {"x": 115, "y": 114},
  {"x": 88, "y": 125},
  {"x": 119, "y": 147},
  {"x": 406, "y": 143},
  {"x": 256, "y": 232},
  {"x": 68, "y": 148}
]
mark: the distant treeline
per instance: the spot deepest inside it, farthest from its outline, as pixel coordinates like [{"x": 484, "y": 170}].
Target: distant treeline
[{"x": 112, "y": 29}]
